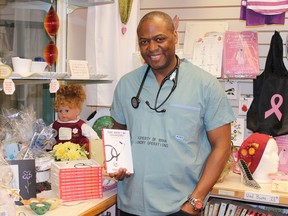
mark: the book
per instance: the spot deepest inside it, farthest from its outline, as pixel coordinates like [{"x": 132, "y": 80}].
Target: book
[
  {"x": 117, "y": 148},
  {"x": 216, "y": 209},
  {"x": 206, "y": 209},
  {"x": 240, "y": 54},
  {"x": 210, "y": 211},
  {"x": 238, "y": 211},
  {"x": 243, "y": 212},
  {"x": 222, "y": 209},
  {"x": 231, "y": 209},
  {"x": 251, "y": 213}
]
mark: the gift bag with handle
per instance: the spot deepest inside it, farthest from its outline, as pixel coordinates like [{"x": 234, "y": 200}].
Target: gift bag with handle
[{"x": 268, "y": 112}]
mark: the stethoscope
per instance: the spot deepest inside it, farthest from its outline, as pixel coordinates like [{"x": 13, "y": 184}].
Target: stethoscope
[{"x": 173, "y": 76}]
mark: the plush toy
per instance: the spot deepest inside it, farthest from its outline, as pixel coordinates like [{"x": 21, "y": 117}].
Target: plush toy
[{"x": 68, "y": 105}]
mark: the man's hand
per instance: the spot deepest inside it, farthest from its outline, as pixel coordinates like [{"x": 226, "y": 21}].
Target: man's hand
[
  {"x": 120, "y": 174},
  {"x": 187, "y": 207}
]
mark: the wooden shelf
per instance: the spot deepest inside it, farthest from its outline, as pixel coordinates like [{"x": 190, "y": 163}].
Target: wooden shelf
[
  {"x": 100, "y": 207},
  {"x": 232, "y": 188},
  {"x": 77, "y": 208}
]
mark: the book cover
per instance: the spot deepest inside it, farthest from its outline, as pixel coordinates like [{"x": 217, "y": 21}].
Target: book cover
[
  {"x": 216, "y": 209},
  {"x": 231, "y": 209},
  {"x": 238, "y": 211},
  {"x": 244, "y": 211},
  {"x": 282, "y": 142},
  {"x": 117, "y": 148},
  {"x": 240, "y": 54},
  {"x": 222, "y": 209},
  {"x": 206, "y": 209},
  {"x": 210, "y": 211}
]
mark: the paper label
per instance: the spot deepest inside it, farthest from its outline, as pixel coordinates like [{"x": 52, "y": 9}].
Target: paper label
[
  {"x": 65, "y": 133},
  {"x": 79, "y": 69},
  {"x": 54, "y": 86},
  {"x": 8, "y": 86},
  {"x": 268, "y": 198},
  {"x": 225, "y": 192}
]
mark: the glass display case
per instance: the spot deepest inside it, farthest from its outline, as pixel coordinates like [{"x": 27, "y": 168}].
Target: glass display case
[{"x": 22, "y": 34}]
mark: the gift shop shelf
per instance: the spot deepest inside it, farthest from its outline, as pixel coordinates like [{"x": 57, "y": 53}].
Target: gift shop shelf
[{"x": 233, "y": 188}]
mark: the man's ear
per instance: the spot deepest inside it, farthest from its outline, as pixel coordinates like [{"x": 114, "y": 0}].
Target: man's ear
[{"x": 176, "y": 38}]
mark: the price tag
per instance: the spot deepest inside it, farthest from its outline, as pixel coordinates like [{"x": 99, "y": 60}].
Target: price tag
[
  {"x": 79, "y": 69},
  {"x": 268, "y": 198},
  {"x": 54, "y": 86},
  {"x": 8, "y": 86}
]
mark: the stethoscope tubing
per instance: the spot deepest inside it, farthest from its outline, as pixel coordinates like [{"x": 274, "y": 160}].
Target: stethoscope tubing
[{"x": 135, "y": 101}]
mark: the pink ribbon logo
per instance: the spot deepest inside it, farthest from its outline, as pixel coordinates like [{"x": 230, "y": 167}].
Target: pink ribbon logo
[{"x": 275, "y": 107}]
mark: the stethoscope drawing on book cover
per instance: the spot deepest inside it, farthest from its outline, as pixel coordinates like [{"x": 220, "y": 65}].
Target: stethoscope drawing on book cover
[{"x": 113, "y": 152}]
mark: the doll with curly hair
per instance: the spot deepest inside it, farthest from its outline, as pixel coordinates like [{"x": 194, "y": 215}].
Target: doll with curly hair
[{"x": 68, "y": 105}]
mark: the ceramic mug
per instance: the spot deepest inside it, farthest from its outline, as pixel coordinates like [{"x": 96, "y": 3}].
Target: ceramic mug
[{"x": 21, "y": 66}]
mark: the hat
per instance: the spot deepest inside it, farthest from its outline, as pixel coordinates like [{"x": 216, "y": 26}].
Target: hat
[{"x": 252, "y": 149}]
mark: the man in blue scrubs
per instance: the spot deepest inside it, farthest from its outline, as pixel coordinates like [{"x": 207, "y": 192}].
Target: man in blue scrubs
[{"x": 179, "y": 120}]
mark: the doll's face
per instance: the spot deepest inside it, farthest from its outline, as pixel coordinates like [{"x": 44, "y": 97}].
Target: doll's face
[{"x": 66, "y": 113}]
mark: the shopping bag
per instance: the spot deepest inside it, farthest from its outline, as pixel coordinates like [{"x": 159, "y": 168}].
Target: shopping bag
[{"x": 268, "y": 112}]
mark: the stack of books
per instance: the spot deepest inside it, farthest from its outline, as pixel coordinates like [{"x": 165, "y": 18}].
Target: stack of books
[
  {"x": 77, "y": 180},
  {"x": 224, "y": 207}
]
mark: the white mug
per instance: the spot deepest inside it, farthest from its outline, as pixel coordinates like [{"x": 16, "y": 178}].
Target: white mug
[{"x": 21, "y": 66}]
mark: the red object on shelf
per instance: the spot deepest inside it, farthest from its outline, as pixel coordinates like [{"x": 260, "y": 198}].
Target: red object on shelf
[
  {"x": 51, "y": 22},
  {"x": 50, "y": 53}
]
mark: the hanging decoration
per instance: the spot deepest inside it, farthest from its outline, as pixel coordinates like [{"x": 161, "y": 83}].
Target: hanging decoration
[
  {"x": 50, "y": 53},
  {"x": 51, "y": 22},
  {"x": 125, "y": 7},
  {"x": 51, "y": 26}
]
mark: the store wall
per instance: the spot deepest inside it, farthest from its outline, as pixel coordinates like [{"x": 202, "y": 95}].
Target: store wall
[
  {"x": 221, "y": 11},
  {"x": 194, "y": 10},
  {"x": 211, "y": 10}
]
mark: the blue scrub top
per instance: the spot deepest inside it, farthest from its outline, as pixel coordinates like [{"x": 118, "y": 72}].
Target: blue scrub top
[{"x": 169, "y": 149}]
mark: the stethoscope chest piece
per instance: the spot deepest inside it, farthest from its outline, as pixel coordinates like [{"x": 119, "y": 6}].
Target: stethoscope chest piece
[{"x": 135, "y": 102}]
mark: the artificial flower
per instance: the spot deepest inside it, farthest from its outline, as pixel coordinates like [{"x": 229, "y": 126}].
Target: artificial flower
[{"x": 69, "y": 151}]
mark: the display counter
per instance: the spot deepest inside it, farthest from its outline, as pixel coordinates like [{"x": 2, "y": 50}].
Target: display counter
[
  {"x": 78, "y": 208},
  {"x": 232, "y": 188}
]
